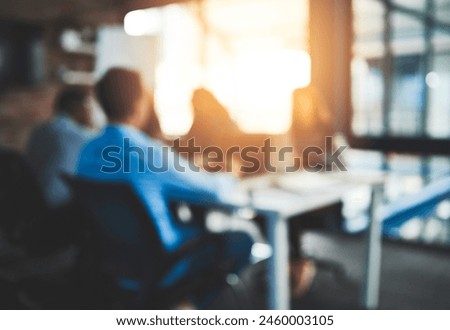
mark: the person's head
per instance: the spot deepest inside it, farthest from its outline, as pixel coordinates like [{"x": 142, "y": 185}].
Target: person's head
[
  {"x": 206, "y": 105},
  {"x": 74, "y": 101},
  {"x": 153, "y": 127},
  {"x": 310, "y": 108},
  {"x": 122, "y": 95}
]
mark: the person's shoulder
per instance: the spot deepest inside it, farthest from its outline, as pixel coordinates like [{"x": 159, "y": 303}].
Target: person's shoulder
[
  {"x": 138, "y": 137},
  {"x": 65, "y": 124},
  {"x": 43, "y": 133},
  {"x": 148, "y": 140},
  {"x": 43, "y": 127},
  {"x": 98, "y": 137},
  {"x": 91, "y": 150}
]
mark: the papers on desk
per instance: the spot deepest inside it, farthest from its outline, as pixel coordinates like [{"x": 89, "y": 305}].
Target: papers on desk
[
  {"x": 294, "y": 193},
  {"x": 298, "y": 183},
  {"x": 306, "y": 183}
]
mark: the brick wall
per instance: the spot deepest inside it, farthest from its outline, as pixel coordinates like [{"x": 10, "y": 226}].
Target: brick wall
[{"x": 21, "y": 110}]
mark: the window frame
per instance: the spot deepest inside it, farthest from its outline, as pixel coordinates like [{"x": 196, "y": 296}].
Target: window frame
[{"x": 387, "y": 142}]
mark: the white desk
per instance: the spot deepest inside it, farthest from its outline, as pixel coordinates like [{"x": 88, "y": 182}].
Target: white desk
[{"x": 281, "y": 196}]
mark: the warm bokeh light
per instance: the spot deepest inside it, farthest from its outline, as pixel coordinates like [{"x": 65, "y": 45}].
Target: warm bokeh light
[
  {"x": 251, "y": 63},
  {"x": 173, "y": 98},
  {"x": 264, "y": 84},
  {"x": 258, "y": 94},
  {"x": 142, "y": 22}
]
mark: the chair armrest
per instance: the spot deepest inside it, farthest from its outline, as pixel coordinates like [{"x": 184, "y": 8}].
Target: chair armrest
[
  {"x": 194, "y": 245},
  {"x": 429, "y": 196},
  {"x": 176, "y": 194},
  {"x": 420, "y": 204}
]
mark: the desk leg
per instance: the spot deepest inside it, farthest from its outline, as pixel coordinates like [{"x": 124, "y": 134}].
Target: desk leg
[
  {"x": 373, "y": 251},
  {"x": 279, "y": 262}
]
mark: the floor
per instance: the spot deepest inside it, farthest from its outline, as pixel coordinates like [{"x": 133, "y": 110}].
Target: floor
[{"x": 413, "y": 276}]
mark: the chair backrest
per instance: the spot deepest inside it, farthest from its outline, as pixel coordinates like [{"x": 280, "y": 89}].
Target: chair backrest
[
  {"x": 21, "y": 199},
  {"x": 128, "y": 246}
]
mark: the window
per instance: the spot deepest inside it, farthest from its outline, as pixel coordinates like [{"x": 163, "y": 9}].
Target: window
[
  {"x": 368, "y": 68},
  {"x": 251, "y": 54},
  {"x": 400, "y": 69},
  {"x": 400, "y": 96}
]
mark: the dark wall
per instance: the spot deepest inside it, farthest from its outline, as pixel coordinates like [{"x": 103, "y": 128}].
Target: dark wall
[{"x": 21, "y": 55}]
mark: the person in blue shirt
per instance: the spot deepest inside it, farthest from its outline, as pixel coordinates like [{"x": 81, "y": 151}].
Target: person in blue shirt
[{"x": 123, "y": 152}]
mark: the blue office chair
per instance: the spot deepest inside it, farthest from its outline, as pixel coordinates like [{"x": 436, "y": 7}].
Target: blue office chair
[{"x": 126, "y": 261}]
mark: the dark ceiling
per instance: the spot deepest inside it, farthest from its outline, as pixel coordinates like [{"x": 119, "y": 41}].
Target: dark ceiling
[{"x": 92, "y": 12}]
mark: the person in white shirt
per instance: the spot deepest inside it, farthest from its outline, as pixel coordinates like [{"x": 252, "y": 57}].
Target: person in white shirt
[{"x": 54, "y": 146}]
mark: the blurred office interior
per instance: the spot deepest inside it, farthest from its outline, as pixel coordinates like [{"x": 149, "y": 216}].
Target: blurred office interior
[{"x": 382, "y": 68}]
